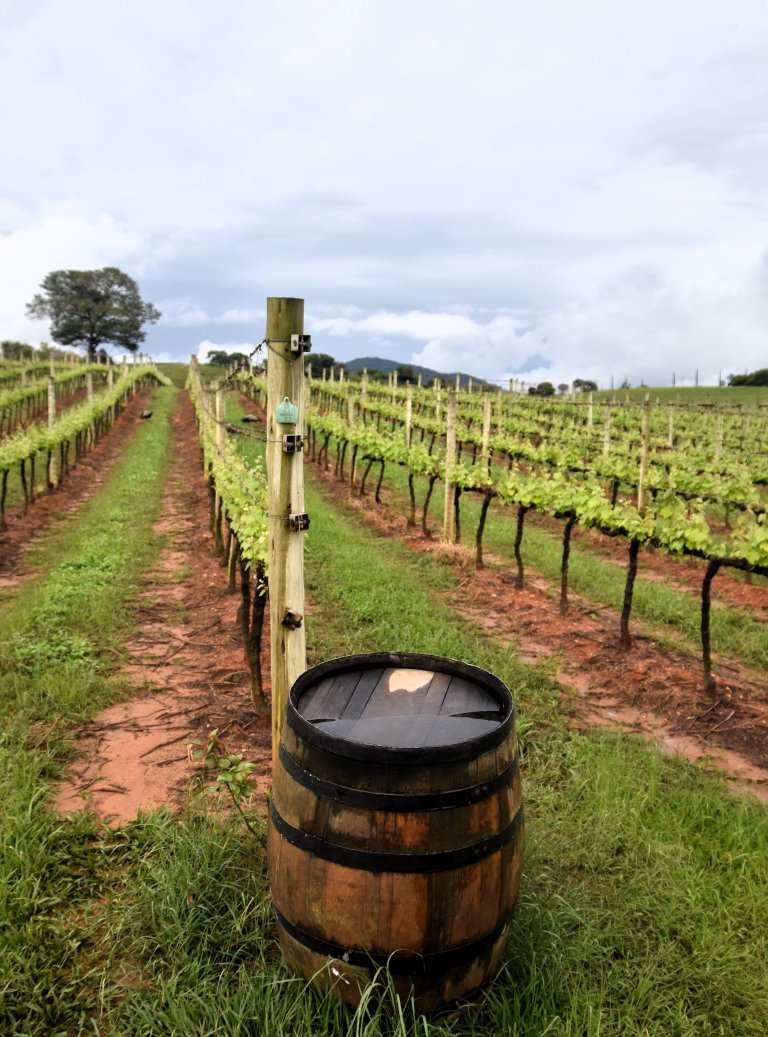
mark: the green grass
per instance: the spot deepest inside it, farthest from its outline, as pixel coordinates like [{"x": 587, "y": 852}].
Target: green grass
[
  {"x": 691, "y": 396},
  {"x": 176, "y": 372},
  {"x": 643, "y": 900},
  {"x": 58, "y": 638}
]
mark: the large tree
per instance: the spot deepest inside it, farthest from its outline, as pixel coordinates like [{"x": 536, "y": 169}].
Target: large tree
[{"x": 91, "y": 307}]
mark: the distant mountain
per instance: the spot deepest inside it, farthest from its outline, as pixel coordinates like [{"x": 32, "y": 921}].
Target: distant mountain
[{"x": 378, "y": 363}]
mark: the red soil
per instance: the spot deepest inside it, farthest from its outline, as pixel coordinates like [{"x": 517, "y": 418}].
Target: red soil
[{"x": 187, "y": 658}]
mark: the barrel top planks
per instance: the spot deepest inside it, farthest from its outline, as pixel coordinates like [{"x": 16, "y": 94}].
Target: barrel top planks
[{"x": 398, "y": 707}]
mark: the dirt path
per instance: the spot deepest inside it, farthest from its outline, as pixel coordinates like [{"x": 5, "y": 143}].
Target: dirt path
[
  {"x": 652, "y": 691},
  {"x": 82, "y": 483},
  {"x": 186, "y": 658}
]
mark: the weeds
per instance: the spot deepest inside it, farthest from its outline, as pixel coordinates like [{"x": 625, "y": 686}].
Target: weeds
[{"x": 231, "y": 772}]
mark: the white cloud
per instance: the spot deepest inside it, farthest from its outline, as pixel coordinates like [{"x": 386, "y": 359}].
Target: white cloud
[
  {"x": 62, "y": 237},
  {"x": 580, "y": 183},
  {"x": 245, "y": 316},
  {"x": 415, "y": 324},
  {"x": 640, "y": 325},
  {"x": 186, "y": 313}
]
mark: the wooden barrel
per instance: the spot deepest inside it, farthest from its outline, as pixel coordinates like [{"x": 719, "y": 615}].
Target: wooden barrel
[{"x": 396, "y": 825}]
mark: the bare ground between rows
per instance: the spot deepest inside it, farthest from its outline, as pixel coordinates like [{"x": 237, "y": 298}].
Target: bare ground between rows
[
  {"x": 27, "y": 524},
  {"x": 185, "y": 664},
  {"x": 649, "y": 690}
]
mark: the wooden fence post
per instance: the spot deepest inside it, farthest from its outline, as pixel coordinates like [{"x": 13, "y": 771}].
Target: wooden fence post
[{"x": 285, "y": 478}]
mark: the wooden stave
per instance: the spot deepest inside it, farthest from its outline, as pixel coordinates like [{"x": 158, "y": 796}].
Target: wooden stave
[{"x": 312, "y": 893}]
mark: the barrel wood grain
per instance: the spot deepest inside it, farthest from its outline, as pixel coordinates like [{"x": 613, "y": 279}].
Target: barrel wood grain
[{"x": 413, "y": 864}]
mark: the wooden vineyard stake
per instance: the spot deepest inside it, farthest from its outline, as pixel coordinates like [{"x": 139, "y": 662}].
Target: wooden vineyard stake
[
  {"x": 719, "y": 439},
  {"x": 285, "y": 478},
  {"x": 607, "y": 433},
  {"x": 351, "y": 421},
  {"x": 644, "y": 457},
  {"x": 221, "y": 442},
  {"x": 53, "y": 467},
  {"x": 450, "y": 464},
  {"x": 89, "y": 395},
  {"x": 485, "y": 449}
]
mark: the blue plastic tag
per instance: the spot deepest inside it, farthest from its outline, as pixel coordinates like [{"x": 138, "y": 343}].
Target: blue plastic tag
[{"x": 287, "y": 413}]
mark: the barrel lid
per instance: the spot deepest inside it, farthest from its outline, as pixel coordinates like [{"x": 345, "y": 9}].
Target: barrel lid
[{"x": 400, "y": 707}]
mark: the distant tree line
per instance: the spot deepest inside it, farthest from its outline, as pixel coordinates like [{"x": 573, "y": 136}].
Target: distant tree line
[
  {"x": 221, "y": 358},
  {"x": 755, "y": 378},
  {"x": 548, "y": 389},
  {"x": 17, "y": 350},
  {"x": 12, "y": 350}
]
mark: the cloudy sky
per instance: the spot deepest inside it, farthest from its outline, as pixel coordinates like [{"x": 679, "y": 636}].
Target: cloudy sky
[{"x": 543, "y": 190}]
